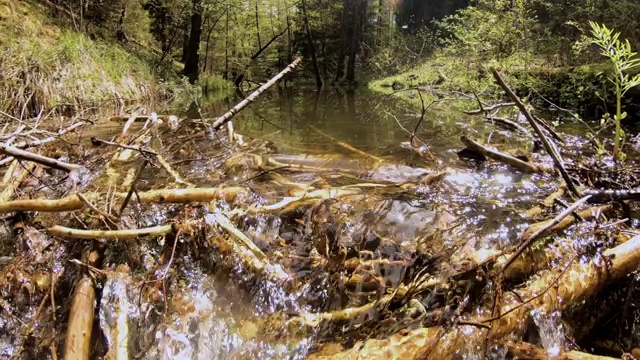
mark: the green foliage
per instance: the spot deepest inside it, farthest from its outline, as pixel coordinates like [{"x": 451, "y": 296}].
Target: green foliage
[
  {"x": 623, "y": 59},
  {"x": 214, "y": 83},
  {"x": 44, "y": 66},
  {"x": 491, "y": 30}
]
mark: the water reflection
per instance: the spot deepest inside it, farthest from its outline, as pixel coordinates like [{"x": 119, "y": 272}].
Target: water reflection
[{"x": 361, "y": 119}]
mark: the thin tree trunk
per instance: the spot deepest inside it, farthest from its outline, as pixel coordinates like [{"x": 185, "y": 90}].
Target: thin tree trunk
[
  {"x": 185, "y": 41},
  {"x": 206, "y": 47},
  {"x": 258, "y": 26},
  {"x": 240, "y": 77},
  {"x": 226, "y": 46},
  {"x": 191, "y": 68},
  {"x": 312, "y": 47},
  {"x": 344, "y": 38},
  {"x": 359, "y": 11}
]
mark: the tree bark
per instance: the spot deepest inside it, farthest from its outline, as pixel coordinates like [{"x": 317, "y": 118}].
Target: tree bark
[
  {"x": 312, "y": 47},
  {"x": 193, "y": 58},
  {"x": 344, "y": 38}
]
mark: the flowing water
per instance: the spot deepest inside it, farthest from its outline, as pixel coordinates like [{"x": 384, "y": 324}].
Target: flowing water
[
  {"x": 298, "y": 141},
  {"x": 365, "y": 136}
]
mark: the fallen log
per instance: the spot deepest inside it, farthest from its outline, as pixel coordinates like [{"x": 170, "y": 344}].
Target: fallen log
[
  {"x": 502, "y": 157},
  {"x": 551, "y": 150},
  {"x": 578, "y": 282},
  {"x": 219, "y": 122}
]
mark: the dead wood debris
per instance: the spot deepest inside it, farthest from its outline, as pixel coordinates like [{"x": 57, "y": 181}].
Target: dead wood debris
[{"x": 430, "y": 302}]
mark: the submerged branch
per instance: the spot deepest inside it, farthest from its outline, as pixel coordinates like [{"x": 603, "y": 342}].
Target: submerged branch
[{"x": 502, "y": 157}]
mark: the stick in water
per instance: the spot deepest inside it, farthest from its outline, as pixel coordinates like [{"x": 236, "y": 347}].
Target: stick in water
[{"x": 251, "y": 98}]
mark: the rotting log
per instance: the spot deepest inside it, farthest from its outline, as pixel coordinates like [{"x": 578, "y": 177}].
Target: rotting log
[
  {"x": 502, "y": 157},
  {"x": 65, "y": 232},
  {"x": 78, "y": 339},
  {"x": 168, "y": 196},
  {"x": 553, "y": 290}
]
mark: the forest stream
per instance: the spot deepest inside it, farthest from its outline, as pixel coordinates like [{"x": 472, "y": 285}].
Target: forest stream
[{"x": 323, "y": 227}]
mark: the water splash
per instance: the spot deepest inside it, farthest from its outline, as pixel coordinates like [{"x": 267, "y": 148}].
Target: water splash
[{"x": 551, "y": 331}]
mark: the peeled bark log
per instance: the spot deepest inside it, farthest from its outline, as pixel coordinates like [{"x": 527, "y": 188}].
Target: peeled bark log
[
  {"x": 66, "y": 232},
  {"x": 37, "y": 158},
  {"x": 77, "y": 345},
  {"x": 168, "y": 196}
]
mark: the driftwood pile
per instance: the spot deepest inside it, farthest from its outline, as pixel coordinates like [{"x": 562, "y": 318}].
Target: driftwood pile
[{"x": 435, "y": 296}]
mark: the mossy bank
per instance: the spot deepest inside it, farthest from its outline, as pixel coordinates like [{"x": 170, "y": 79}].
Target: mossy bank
[{"x": 46, "y": 65}]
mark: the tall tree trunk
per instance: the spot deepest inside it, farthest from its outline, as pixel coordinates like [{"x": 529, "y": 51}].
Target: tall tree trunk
[
  {"x": 185, "y": 41},
  {"x": 312, "y": 47},
  {"x": 346, "y": 26},
  {"x": 193, "y": 58},
  {"x": 258, "y": 26},
  {"x": 359, "y": 13},
  {"x": 226, "y": 45}
]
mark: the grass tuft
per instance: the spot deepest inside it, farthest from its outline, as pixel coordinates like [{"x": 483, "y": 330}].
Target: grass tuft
[{"x": 43, "y": 66}]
